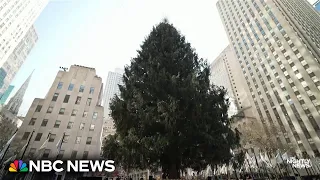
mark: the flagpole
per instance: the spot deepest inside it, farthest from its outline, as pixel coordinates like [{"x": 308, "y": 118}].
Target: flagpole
[
  {"x": 285, "y": 165},
  {"x": 313, "y": 170},
  {"x": 25, "y": 149},
  {"x": 293, "y": 169},
  {"x": 30, "y": 176},
  {"x": 263, "y": 165},
  {"x": 278, "y": 167},
  {"x": 249, "y": 165},
  {"x": 55, "y": 174},
  {"x": 7, "y": 148},
  {"x": 306, "y": 169},
  {"x": 60, "y": 146},
  {"x": 316, "y": 164},
  {"x": 269, "y": 161},
  {"x": 257, "y": 163}
]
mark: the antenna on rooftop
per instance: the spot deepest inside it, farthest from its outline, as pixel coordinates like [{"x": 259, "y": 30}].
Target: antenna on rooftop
[{"x": 63, "y": 68}]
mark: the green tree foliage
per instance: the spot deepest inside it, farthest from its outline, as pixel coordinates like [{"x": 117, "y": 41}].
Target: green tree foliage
[{"x": 168, "y": 115}]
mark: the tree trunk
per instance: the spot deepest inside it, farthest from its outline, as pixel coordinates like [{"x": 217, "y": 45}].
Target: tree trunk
[{"x": 173, "y": 172}]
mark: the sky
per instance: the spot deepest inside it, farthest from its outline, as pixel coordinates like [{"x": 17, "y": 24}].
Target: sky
[{"x": 105, "y": 34}]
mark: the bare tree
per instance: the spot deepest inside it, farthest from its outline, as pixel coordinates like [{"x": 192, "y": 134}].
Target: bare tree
[
  {"x": 7, "y": 127},
  {"x": 254, "y": 135}
]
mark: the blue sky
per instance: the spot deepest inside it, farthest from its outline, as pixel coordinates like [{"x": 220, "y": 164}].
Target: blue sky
[{"x": 105, "y": 34}]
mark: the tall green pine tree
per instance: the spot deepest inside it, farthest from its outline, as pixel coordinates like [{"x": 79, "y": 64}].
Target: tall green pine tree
[{"x": 168, "y": 115}]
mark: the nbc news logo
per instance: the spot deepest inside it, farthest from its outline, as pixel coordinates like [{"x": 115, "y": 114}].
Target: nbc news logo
[
  {"x": 18, "y": 166},
  {"x": 57, "y": 166}
]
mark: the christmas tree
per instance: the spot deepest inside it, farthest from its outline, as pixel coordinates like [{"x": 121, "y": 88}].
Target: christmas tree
[{"x": 168, "y": 114}]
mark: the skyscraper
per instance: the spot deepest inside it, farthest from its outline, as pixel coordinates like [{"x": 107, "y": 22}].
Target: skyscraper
[
  {"x": 5, "y": 95},
  {"x": 111, "y": 88},
  {"x": 17, "y": 58},
  {"x": 71, "y": 111},
  {"x": 226, "y": 72},
  {"x": 17, "y": 18},
  {"x": 277, "y": 46},
  {"x": 220, "y": 77},
  {"x": 15, "y": 102}
]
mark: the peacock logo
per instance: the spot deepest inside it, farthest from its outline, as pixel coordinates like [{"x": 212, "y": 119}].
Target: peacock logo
[{"x": 18, "y": 166}]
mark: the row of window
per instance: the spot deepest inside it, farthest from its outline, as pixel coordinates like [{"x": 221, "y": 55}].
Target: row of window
[
  {"x": 58, "y": 122},
  {"x": 67, "y": 97},
  {"x": 71, "y": 87},
  {"x": 53, "y": 136},
  {"x": 47, "y": 152},
  {"x": 73, "y": 113}
]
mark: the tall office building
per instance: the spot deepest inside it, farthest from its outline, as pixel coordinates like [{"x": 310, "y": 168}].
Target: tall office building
[
  {"x": 226, "y": 72},
  {"x": 220, "y": 77},
  {"x": 277, "y": 44},
  {"x": 111, "y": 88},
  {"x": 6, "y": 94},
  {"x": 71, "y": 111},
  {"x": 17, "y": 18},
  {"x": 16, "y": 59}
]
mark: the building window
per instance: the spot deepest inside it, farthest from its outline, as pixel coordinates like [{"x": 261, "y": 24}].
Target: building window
[
  {"x": 57, "y": 124},
  {"x": 61, "y": 111},
  {"x": 60, "y": 85},
  {"x": 91, "y": 90},
  {"x": 95, "y": 115},
  {"x": 89, "y": 101},
  {"x": 39, "y": 107},
  {"x": 91, "y": 127},
  {"x": 31, "y": 152},
  {"x": 82, "y": 126},
  {"x": 25, "y": 136},
  {"x": 85, "y": 114},
  {"x": 74, "y": 112},
  {"x": 70, "y": 124},
  {"x": 81, "y": 89},
  {"x": 46, "y": 153},
  {"x": 44, "y": 122},
  {"x": 38, "y": 137},
  {"x": 32, "y": 121},
  {"x": 85, "y": 154},
  {"x": 78, "y": 139},
  {"x": 60, "y": 155},
  {"x": 78, "y": 100},
  {"x": 52, "y": 137},
  {"x": 65, "y": 138},
  {"x": 50, "y": 109},
  {"x": 66, "y": 99},
  {"x": 70, "y": 88},
  {"x": 55, "y": 96},
  {"x": 89, "y": 139},
  {"x": 74, "y": 154}
]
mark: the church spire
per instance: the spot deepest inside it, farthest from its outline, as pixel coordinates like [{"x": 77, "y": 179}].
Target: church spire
[{"x": 15, "y": 102}]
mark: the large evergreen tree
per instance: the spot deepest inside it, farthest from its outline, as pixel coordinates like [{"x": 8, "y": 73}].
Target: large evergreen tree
[{"x": 168, "y": 115}]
